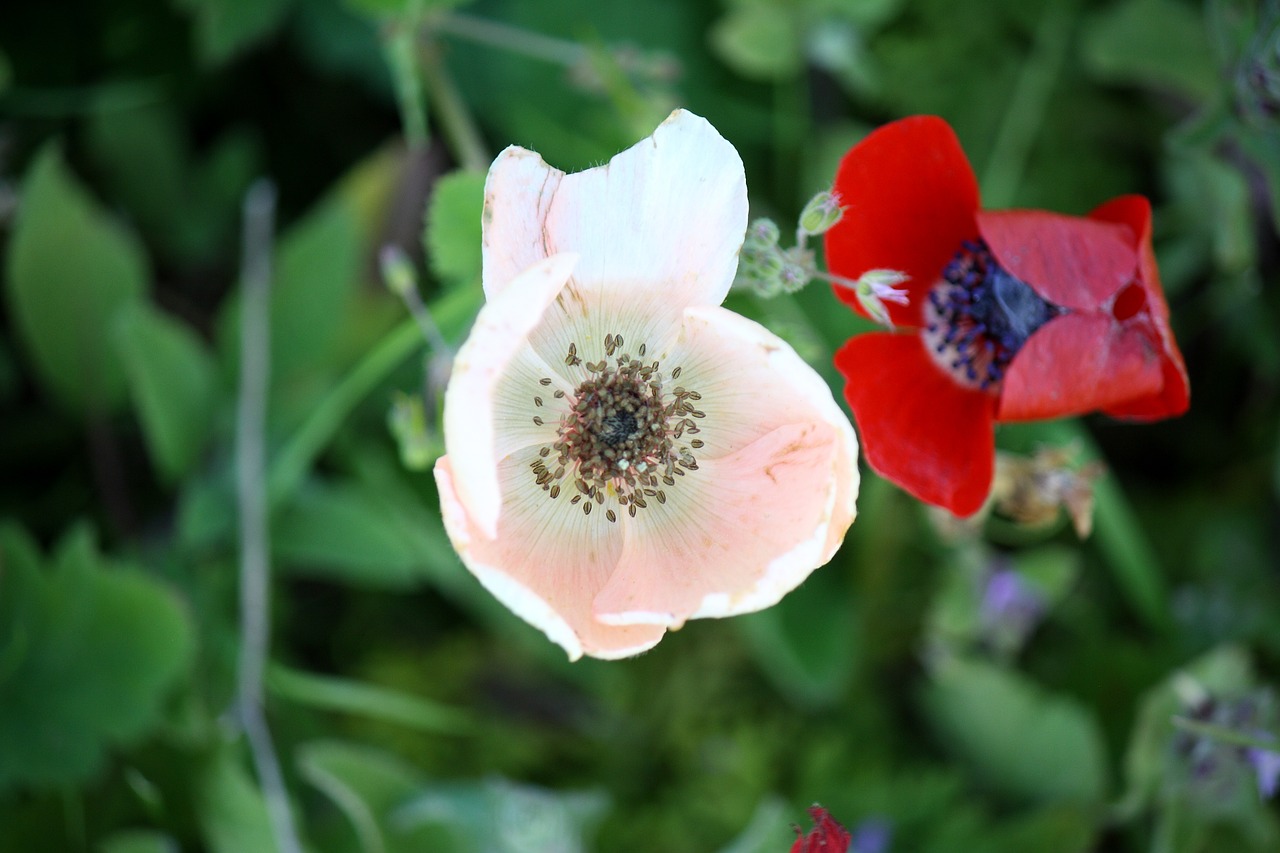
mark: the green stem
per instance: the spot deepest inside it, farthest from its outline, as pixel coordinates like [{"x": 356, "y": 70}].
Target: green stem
[
  {"x": 451, "y": 112},
  {"x": 1031, "y": 96},
  {"x": 512, "y": 39},
  {"x": 1222, "y": 734},
  {"x": 295, "y": 458}
]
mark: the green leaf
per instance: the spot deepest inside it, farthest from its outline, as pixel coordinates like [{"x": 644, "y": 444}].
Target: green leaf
[
  {"x": 366, "y": 785},
  {"x": 497, "y": 816},
  {"x": 767, "y": 830},
  {"x": 1012, "y": 732},
  {"x": 353, "y": 697},
  {"x": 225, "y": 28},
  {"x": 138, "y": 841},
  {"x": 173, "y": 382},
  {"x": 808, "y": 642},
  {"x": 314, "y": 281},
  {"x": 1158, "y": 43},
  {"x": 398, "y": 8},
  {"x": 758, "y": 39},
  {"x": 229, "y": 807},
  {"x": 354, "y": 534},
  {"x": 71, "y": 270},
  {"x": 452, "y": 238},
  {"x": 89, "y": 652}
]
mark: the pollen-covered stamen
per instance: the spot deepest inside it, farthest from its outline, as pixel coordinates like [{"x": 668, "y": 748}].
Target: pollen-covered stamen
[
  {"x": 979, "y": 315},
  {"x": 621, "y": 434}
]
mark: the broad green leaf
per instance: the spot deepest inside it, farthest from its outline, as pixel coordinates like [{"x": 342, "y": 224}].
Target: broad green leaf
[
  {"x": 452, "y": 237},
  {"x": 138, "y": 841},
  {"x": 90, "y": 650},
  {"x": 354, "y": 534},
  {"x": 1159, "y": 43},
  {"x": 353, "y": 697},
  {"x": 173, "y": 382},
  {"x": 497, "y": 816},
  {"x": 71, "y": 270},
  {"x": 366, "y": 784},
  {"x": 225, "y": 28},
  {"x": 1011, "y": 732},
  {"x": 229, "y": 807},
  {"x": 314, "y": 281},
  {"x": 767, "y": 832},
  {"x": 808, "y": 642},
  {"x": 759, "y": 39}
]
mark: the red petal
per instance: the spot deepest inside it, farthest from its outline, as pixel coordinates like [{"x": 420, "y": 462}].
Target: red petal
[
  {"x": 1074, "y": 262},
  {"x": 920, "y": 429},
  {"x": 910, "y": 198},
  {"x": 1079, "y": 363},
  {"x": 1175, "y": 396}
]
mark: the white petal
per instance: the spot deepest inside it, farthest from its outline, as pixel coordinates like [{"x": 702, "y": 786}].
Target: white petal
[
  {"x": 661, "y": 224},
  {"x": 498, "y": 338}
]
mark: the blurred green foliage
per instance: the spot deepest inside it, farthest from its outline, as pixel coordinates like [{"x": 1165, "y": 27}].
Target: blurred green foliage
[{"x": 410, "y": 710}]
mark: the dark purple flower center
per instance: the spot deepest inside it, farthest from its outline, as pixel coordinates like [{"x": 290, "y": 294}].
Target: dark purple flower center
[{"x": 979, "y": 315}]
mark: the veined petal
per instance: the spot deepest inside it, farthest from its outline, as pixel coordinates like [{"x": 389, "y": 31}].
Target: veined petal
[
  {"x": 1077, "y": 363},
  {"x": 546, "y": 563},
  {"x": 909, "y": 199},
  {"x": 919, "y": 428},
  {"x": 661, "y": 223},
  {"x": 732, "y": 537},
  {"x": 773, "y": 494},
  {"x": 1071, "y": 261},
  {"x": 482, "y": 365},
  {"x": 1174, "y": 397}
]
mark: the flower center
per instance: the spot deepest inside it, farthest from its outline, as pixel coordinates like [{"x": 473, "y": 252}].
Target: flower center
[
  {"x": 620, "y": 438},
  {"x": 979, "y": 315}
]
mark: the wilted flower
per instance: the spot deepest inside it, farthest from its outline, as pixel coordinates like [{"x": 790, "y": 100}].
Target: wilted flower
[
  {"x": 1033, "y": 490},
  {"x": 624, "y": 454},
  {"x": 1012, "y": 315}
]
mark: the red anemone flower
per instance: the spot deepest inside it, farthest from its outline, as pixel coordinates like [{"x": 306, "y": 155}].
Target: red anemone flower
[
  {"x": 827, "y": 835},
  {"x": 1012, "y": 315}
]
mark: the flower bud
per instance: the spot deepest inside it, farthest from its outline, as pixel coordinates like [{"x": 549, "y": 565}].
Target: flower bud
[{"x": 821, "y": 213}]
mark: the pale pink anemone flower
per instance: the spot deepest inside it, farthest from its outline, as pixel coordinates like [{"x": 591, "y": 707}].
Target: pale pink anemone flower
[{"x": 624, "y": 454}]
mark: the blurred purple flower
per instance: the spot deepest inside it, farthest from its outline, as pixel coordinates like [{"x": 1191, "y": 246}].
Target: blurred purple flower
[
  {"x": 1266, "y": 764},
  {"x": 872, "y": 836},
  {"x": 1010, "y": 609}
]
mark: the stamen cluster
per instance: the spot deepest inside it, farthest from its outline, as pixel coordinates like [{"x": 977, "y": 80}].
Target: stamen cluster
[
  {"x": 979, "y": 315},
  {"x": 619, "y": 435}
]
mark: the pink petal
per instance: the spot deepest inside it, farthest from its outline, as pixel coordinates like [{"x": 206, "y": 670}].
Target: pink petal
[
  {"x": 1078, "y": 363},
  {"x": 919, "y": 428},
  {"x": 546, "y": 563},
  {"x": 773, "y": 494},
  {"x": 1073, "y": 262},
  {"x": 910, "y": 198},
  {"x": 660, "y": 225},
  {"x": 475, "y": 413},
  {"x": 734, "y": 536}
]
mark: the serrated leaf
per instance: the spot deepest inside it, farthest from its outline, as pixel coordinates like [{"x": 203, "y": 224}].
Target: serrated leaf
[
  {"x": 1018, "y": 738},
  {"x": 173, "y": 382},
  {"x": 71, "y": 270},
  {"x": 90, "y": 650},
  {"x": 452, "y": 238}
]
